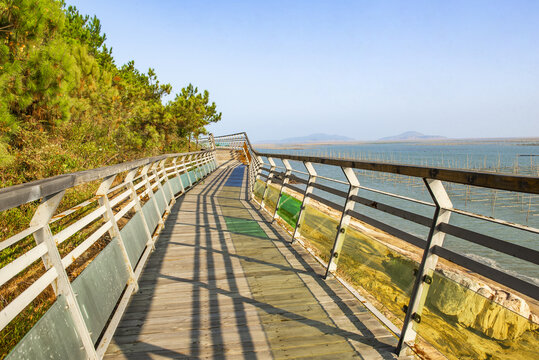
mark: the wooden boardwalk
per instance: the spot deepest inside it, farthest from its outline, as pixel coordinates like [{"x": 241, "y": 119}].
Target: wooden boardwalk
[{"x": 224, "y": 282}]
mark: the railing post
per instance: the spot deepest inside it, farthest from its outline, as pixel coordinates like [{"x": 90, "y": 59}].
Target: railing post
[
  {"x": 245, "y": 155},
  {"x": 427, "y": 265},
  {"x": 197, "y": 167},
  {"x": 345, "y": 221},
  {"x": 251, "y": 176},
  {"x": 178, "y": 174},
  {"x": 200, "y": 165},
  {"x": 204, "y": 164},
  {"x": 308, "y": 190},
  {"x": 213, "y": 158},
  {"x": 151, "y": 196},
  {"x": 268, "y": 182},
  {"x": 209, "y": 162},
  {"x": 283, "y": 184},
  {"x": 188, "y": 158},
  {"x": 114, "y": 231},
  {"x": 256, "y": 174},
  {"x": 41, "y": 218},
  {"x": 212, "y": 142},
  {"x": 134, "y": 196},
  {"x": 184, "y": 169},
  {"x": 155, "y": 169},
  {"x": 169, "y": 186}
]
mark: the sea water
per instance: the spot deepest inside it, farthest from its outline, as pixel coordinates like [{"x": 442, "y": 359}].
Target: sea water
[{"x": 508, "y": 157}]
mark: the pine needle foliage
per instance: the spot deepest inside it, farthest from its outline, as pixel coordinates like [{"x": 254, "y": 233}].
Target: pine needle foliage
[{"x": 66, "y": 106}]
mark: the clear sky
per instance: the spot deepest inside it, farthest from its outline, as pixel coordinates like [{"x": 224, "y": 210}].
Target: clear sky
[{"x": 363, "y": 69}]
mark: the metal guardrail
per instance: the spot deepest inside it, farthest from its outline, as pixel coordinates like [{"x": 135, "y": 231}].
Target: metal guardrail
[
  {"x": 156, "y": 180},
  {"x": 87, "y": 310},
  {"x": 432, "y": 248}
]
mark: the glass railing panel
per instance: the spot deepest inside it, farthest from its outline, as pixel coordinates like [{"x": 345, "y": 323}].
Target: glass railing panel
[
  {"x": 382, "y": 274},
  {"x": 258, "y": 189},
  {"x": 319, "y": 228},
  {"x": 272, "y": 196},
  {"x": 289, "y": 208},
  {"x": 470, "y": 318}
]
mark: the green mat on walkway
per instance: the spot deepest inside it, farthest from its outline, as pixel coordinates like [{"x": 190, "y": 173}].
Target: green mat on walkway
[{"x": 244, "y": 226}]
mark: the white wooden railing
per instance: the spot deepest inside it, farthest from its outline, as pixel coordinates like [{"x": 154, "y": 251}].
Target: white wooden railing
[{"x": 130, "y": 205}]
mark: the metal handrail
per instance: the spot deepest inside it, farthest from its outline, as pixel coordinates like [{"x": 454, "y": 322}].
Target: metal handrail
[
  {"x": 16, "y": 195},
  {"x": 438, "y": 224}
]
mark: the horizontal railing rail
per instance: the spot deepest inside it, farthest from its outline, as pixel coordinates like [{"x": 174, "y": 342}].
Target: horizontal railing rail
[
  {"x": 127, "y": 212},
  {"x": 16, "y": 195},
  {"x": 520, "y": 183}
]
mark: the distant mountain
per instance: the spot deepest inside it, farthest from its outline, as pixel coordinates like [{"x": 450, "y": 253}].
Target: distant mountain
[
  {"x": 411, "y": 135},
  {"x": 313, "y": 138}
]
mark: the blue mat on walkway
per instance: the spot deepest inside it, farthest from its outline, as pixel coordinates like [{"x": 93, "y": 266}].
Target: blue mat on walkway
[{"x": 236, "y": 177}]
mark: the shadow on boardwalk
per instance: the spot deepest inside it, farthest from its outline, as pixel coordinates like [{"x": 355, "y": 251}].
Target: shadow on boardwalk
[{"x": 224, "y": 282}]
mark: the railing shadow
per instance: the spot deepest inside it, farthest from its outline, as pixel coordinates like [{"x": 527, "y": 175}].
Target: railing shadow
[{"x": 204, "y": 280}]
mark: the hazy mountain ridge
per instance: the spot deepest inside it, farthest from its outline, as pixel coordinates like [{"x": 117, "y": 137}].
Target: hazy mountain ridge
[{"x": 411, "y": 135}]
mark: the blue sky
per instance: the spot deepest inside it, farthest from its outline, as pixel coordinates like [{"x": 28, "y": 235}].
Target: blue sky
[{"x": 363, "y": 69}]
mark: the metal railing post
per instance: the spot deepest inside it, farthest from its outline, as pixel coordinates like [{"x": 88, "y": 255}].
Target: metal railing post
[
  {"x": 169, "y": 186},
  {"x": 250, "y": 174},
  {"x": 41, "y": 218},
  {"x": 114, "y": 231},
  {"x": 209, "y": 162},
  {"x": 196, "y": 170},
  {"x": 427, "y": 265},
  {"x": 283, "y": 184},
  {"x": 157, "y": 178},
  {"x": 212, "y": 141},
  {"x": 138, "y": 207},
  {"x": 188, "y": 158},
  {"x": 204, "y": 164},
  {"x": 178, "y": 174},
  {"x": 214, "y": 159},
  {"x": 345, "y": 221},
  {"x": 213, "y": 162},
  {"x": 308, "y": 190},
  {"x": 155, "y": 169},
  {"x": 198, "y": 165},
  {"x": 245, "y": 155},
  {"x": 151, "y": 196},
  {"x": 268, "y": 182},
  {"x": 257, "y": 170}
]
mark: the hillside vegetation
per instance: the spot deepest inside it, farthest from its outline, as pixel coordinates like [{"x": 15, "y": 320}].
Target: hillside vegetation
[{"x": 65, "y": 105}]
